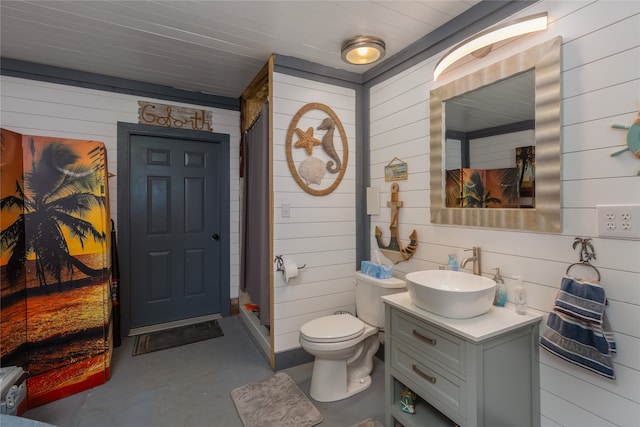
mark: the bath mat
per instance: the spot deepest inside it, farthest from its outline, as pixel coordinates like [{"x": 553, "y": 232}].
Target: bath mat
[
  {"x": 276, "y": 401},
  {"x": 369, "y": 422},
  {"x": 174, "y": 337}
]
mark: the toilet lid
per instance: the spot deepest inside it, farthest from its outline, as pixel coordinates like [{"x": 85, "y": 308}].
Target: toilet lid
[{"x": 336, "y": 328}]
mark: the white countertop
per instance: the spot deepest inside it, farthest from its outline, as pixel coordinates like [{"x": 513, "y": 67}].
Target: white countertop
[{"x": 494, "y": 322}]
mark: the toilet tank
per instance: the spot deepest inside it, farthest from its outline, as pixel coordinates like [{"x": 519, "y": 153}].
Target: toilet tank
[{"x": 369, "y": 290}]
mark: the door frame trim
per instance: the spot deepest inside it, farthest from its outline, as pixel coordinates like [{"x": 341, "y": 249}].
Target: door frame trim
[{"x": 125, "y": 132}]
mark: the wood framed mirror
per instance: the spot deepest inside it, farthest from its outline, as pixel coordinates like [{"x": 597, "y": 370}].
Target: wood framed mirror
[{"x": 540, "y": 209}]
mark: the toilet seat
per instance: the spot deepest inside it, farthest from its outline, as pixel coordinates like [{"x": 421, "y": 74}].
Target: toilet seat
[{"x": 335, "y": 328}]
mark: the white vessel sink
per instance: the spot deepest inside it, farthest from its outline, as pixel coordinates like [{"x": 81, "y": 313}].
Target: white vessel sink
[{"x": 454, "y": 294}]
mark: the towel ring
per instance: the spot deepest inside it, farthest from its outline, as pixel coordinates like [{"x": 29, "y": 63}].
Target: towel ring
[
  {"x": 586, "y": 264},
  {"x": 587, "y": 253}
]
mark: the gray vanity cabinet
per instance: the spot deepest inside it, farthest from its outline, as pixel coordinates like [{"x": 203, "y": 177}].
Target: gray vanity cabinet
[{"x": 484, "y": 374}]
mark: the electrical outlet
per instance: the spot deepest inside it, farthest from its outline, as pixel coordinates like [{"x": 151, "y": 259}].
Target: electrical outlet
[{"x": 620, "y": 221}]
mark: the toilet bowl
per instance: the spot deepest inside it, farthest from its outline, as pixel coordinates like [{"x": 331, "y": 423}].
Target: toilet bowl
[{"x": 344, "y": 345}]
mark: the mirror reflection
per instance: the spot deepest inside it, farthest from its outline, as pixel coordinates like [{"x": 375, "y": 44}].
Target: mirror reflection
[
  {"x": 489, "y": 153},
  {"x": 495, "y": 144}
]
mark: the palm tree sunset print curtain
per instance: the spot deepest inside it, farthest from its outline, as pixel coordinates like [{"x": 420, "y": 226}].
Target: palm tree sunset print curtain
[{"x": 55, "y": 263}]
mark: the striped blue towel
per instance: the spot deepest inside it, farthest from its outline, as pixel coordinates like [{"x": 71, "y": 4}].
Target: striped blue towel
[
  {"x": 582, "y": 300},
  {"x": 578, "y": 342},
  {"x": 578, "y": 329}
]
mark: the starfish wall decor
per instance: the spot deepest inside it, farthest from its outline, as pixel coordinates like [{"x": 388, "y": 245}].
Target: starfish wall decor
[{"x": 306, "y": 140}]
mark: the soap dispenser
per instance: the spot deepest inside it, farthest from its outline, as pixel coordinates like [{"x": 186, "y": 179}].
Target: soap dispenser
[
  {"x": 521, "y": 296},
  {"x": 501, "y": 290},
  {"x": 452, "y": 264}
]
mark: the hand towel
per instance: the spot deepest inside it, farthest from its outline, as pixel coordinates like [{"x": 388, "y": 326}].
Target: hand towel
[
  {"x": 578, "y": 329},
  {"x": 585, "y": 301},
  {"x": 578, "y": 342},
  {"x": 581, "y": 300}
]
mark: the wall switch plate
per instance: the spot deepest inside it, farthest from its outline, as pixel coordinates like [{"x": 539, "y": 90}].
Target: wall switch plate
[
  {"x": 286, "y": 210},
  {"x": 373, "y": 201},
  {"x": 619, "y": 221}
]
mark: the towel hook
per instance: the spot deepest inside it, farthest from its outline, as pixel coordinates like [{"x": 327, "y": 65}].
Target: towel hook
[{"x": 587, "y": 253}]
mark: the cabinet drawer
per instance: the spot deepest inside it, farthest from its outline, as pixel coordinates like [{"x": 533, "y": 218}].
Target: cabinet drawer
[
  {"x": 438, "y": 386},
  {"x": 434, "y": 342}
]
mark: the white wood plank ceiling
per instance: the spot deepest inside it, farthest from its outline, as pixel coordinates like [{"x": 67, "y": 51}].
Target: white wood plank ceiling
[
  {"x": 505, "y": 102},
  {"x": 214, "y": 47}
]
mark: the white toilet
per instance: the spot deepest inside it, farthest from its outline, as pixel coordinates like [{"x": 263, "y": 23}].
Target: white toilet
[{"x": 344, "y": 345}]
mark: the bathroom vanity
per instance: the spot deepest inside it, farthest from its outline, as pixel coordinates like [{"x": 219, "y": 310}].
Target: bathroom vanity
[{"x": 482, "y": 371}]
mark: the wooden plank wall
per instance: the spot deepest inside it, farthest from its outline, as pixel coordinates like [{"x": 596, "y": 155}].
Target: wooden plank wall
[
  {"x": 321, "y": 229},
  {"x": 601, "y": 86},
  {"x": 40, "y": 108}
]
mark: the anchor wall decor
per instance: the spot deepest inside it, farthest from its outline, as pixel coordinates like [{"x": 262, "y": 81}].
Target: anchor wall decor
[{"x": 394, "y": 250}]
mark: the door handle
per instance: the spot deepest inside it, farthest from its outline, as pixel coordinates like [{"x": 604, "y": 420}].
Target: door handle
[{"x": 215, "y": 237}]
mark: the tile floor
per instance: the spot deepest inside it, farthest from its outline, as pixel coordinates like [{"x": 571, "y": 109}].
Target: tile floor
[{"x": 190, "y": 386}]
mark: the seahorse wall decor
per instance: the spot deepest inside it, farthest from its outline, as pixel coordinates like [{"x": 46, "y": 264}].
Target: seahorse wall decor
[
  {"x": 327, "y": 144},
  {"x": 394, "y": 250},
  {"x": 311, "y": 168}
]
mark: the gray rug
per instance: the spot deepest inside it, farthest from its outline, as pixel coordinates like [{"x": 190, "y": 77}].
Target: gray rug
[
  {"x": 369, "y": 422},
  {"x": 175, "y": 337},
  {"x": 276, "y": 401}
]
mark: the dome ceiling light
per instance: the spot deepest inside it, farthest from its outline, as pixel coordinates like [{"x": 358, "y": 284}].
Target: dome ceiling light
[{"x": 363, "y": 50}]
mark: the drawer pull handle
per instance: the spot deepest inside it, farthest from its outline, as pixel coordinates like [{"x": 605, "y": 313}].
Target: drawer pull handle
[
  {"x": 429, "y": 378},
  {"x": 423, "y": 338}
]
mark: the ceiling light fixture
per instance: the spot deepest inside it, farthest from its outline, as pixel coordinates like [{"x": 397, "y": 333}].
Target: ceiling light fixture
[
  {"x": 485, "y": 39},
  {"x": 363, "y": 50}
]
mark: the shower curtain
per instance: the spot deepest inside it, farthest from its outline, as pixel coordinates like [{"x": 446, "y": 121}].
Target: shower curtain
[{"x": 255, "y": 262}]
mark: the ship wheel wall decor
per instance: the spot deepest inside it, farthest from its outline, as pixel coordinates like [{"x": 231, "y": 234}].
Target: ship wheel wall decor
[
  {"x": 633, "y": 138},
  {"x": 316, "y": 155},
  {"x": 394, "y": 250}
]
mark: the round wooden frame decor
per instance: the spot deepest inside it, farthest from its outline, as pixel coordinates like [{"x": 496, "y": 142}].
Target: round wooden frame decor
[{"x": 311, "y": 170}]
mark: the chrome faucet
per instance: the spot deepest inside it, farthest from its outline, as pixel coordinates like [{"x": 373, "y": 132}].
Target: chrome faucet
[{"x": 475, "y": 258}]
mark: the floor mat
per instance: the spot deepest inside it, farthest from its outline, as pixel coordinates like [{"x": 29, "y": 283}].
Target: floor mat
[
  {"x": 175, "y": 337},
  {"x": 276, "y": 401}
]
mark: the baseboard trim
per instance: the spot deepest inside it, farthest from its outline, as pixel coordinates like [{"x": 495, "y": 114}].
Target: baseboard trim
[
  {"x": 284, "y": 359},
  {"x": 298, "y": 356},
  {"x": 291, "y": 358}
]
